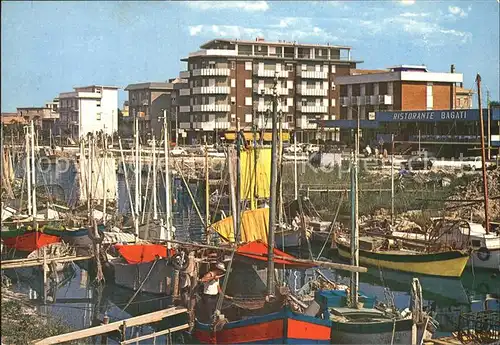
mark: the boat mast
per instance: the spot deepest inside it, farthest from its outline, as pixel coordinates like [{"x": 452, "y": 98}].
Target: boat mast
[
  {"x": 33, "y": 170},
  {"x": 168, "y": 197},
  {"x": 483, "y": 155},
  {"x": 354, "y": 221},
  {"x": 104, "y": 175},
  {"x": 295, "y": 175},
  {"x": 28, "y": 171},
  {"x": 137, "y": 172},
  {"x": 207, "y": 191},
  {"x": 155, "y": 209},
  {"x": 272, "y": 204}
]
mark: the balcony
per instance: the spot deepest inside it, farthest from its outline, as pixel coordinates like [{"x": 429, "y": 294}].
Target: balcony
[
  {"x": 265, "y": 107},
  {"x": 211, "y": 72},
  {"x": 269, "y": 73},
  {"x": 211, "y": 107},
  {"x": 218, "y": 52},
  {"x": 303, "y": 123},
  {"x": 185, "y": 92},
  {"x": 313, "y": 109},
  {"x": 184, "y": 108},
  {"x": 312, "y": 74},
  {"x": 312, "y": 92},
  {"x": 283, "y": 91},
  {"x": 210, "y": 90},
  {"x": 185, "y": 74},
  {"x": 204, "y": 126}
]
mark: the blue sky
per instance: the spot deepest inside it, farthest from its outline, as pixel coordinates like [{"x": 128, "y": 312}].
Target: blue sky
[{"x": 49, "y": 47}]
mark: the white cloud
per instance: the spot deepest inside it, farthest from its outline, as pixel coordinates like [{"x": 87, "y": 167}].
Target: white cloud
[
  {"x": 249, "y": 6},
  {"x": 457, "y": 11},
  {"x": 414, "y": 15},
  {"x": 195, "y": 30},
  {"x": 286, "y": 22},
  {"x": 407, "y": 2}
]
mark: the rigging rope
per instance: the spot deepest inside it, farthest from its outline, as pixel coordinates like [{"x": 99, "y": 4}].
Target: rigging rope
[{"x": 332, "y": 225}]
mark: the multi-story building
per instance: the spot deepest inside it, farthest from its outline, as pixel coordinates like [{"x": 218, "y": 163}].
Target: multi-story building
[
  {"x": 463, "y": 98},
  {"x": 147, "y": 102},
  {"x": 45, "y": 118},
  {"x": 402, "y": 87},
  {"x": 231, "y": 81},
  {"x": 88, "y": 109}
]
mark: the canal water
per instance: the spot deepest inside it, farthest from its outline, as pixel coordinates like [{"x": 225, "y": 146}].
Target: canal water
[{"x": 78, "y": 302}]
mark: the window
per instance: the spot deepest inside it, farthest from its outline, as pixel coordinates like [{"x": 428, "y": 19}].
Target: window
[
  {"x": 248, "y": 83},
  {"x": 429, "y": 96},
  {"x": 289, "y": 67},
  {"x": 211, "y": 64},
  {"x": 98, "y": 116},
  {"x": 233, "y": 82},
  {"x": 233, "y": 99},
  {"x": 304, "y": 67},
  {"x": 334, "y": 70},
  {"x": 248, "y": 100},
  {"x": 233, "y": 65},
  {"x": 248, "y": 118},
  {"x": 333, "y": 102},
  {"x": 304, "y": 102},
  {"x": 248, "y": 65},
  {"x": 98, "y": 104}
]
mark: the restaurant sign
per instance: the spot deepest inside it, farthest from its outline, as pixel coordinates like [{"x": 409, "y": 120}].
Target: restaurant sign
[{"x": 429, "y": 115}]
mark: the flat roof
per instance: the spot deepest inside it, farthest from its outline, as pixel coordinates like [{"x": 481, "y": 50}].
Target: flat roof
[
  {"x": 150, "y": 85},
  {"x": 207, "y": 45},
  {"x": 103, "y": 86},
  {"x": 400, "y": 76}
]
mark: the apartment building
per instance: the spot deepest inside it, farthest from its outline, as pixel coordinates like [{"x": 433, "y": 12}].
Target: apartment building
[
  {"x": 230, "y": 86},
  {"x": 147, "y": 101},
  {"x": 463, "y": 97},
  {"x": 45, "y": 118},
  {"x": 88, "y": 109}
]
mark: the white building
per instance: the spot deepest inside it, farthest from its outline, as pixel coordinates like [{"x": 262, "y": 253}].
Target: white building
[{"x": 88, "y": 109}]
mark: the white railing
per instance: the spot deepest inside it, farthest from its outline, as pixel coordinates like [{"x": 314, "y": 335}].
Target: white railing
[
  {"x": 269, "y": 91},
  {"x": 185, "y": 125},
  {"x": 305, "y": 124},
  {"x": 220, "y": 52},
  {"x": 211, "y": 90},
  {"x": 265, "y": 107},
  {"x": 270, "y": 73},
  {"x": 313, "y": 109},
  {"x": 185, "y": 74},
  {"x": 185, "y": 108},
  {"x": 185, "y": 92},
  {"x": 211, "y": 71},
  {"x": 211, "y": 107},
  {"x": 312, "y": 74},
  {"x": 312, "y": 92}
]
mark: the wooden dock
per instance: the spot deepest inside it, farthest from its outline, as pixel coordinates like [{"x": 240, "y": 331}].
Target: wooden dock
[
  {"x": 19, "y": 263},
  {"x": 121, "y": 326}
]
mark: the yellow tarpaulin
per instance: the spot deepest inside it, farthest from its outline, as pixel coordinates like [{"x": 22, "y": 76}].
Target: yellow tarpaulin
[
  {"x": 255, "y": 173},
  {"x": 254, "y": 225},
  {"x": 285, "y": 136}
]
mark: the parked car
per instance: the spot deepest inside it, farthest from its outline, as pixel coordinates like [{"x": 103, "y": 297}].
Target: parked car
[
  {"x": 293, "y": 148},
  {"x": 213, "y": 152},
  {"x": 178, "y": 151},
  {"x": 418, "y": 163},
  {"x": 475, "y": 163},
  {"x": 310, "y": 148}
]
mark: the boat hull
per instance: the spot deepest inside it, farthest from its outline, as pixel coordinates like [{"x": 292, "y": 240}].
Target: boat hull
[
  {"x": 130, "y": 276},
  {"x": 486, "y": 260},
  {"x": 29, "y": 241},
  {"x": 446, "y": 264},
  {"x": 372, "y": 332},
  {"x": 288, "y": 239},
  {"x": 284, "y": 327}
]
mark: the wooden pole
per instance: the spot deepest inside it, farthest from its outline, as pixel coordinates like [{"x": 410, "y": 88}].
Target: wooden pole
[
  {"x": 207, "y": 195},
  {"x": 113, "y": 326},
  {"x": 392, "y": 180},
  {"x": 326, "y": 264},
  {"x": 483, "y": 154}
]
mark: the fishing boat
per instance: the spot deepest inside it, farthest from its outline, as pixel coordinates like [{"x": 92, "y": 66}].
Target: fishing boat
[
  {"x": 463, "y": 234},
  {"x": 26, "y": 239},
  {"x": 143, "y": 266},
  {"x": 270, "y": 321},
  {"x": 450, "y": 263}
]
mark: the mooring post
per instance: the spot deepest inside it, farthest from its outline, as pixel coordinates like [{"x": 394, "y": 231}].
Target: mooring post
[
  {"x": 44, "y": 275},
  {"x": 104, "y": 337}
]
